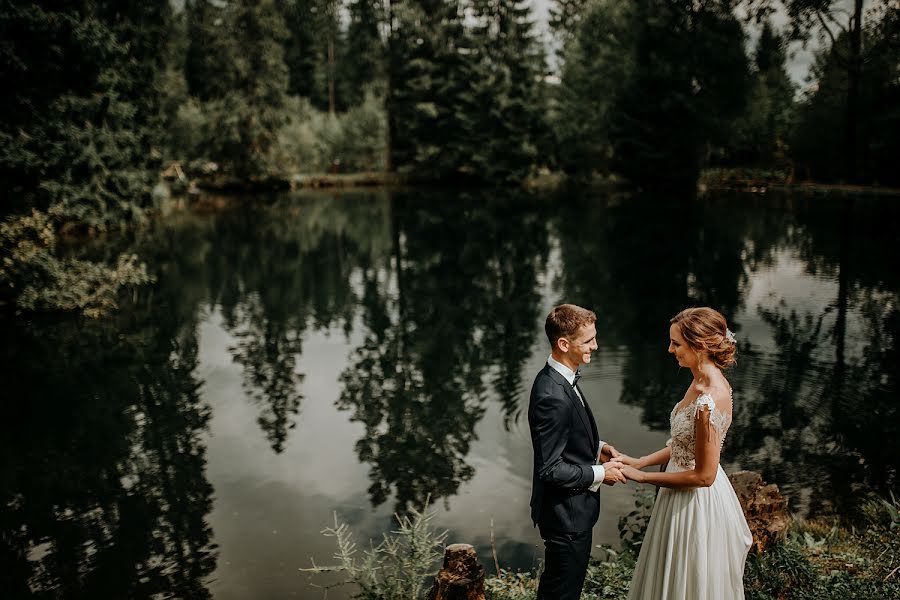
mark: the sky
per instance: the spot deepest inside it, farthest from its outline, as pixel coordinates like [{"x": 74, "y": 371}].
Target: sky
[{"x": 799, "y": 58}]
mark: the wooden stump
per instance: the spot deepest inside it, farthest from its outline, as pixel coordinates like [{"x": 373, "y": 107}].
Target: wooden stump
[
  {"x": 764, "y": 507},
  {"x": 461, "y": 577}
]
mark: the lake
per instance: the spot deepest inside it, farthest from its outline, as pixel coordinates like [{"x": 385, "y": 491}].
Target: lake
[{"x": 308, "y": 354}]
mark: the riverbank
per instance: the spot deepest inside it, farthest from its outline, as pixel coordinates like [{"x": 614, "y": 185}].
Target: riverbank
[
  {"x": 207, "y": 178},
  {"x": 760, "y": 181},
  {"x": 822, "y": 559}
]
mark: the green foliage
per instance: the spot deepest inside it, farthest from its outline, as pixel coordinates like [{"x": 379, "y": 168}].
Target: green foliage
[
  {"x": 819, "y": 138},
  {"x": 601, "y": 57},
  {"x": 672, "y": 77},
  {"x": 633, "y": 526},
  {"x": 395, "y": 569},
  {"x": 689, "y": 82},
  {"x": 760, "y": 135},
  {"x": 464, "y": 96},
  {"x": 817, "y": 561},
  {"x": 244, "y": 121},
  {"x": 81, "y": 136},
  {"x": 510, "y": 109},
  {"x": 361, "y": 64},
  {"x": 34, "y": 278}
]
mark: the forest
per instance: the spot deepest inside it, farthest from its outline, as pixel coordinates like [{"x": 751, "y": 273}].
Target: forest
[{"x": 102, "y": 96}]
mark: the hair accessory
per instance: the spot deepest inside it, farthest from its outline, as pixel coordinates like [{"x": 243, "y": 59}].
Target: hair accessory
[{"x": 729, "y": 335}]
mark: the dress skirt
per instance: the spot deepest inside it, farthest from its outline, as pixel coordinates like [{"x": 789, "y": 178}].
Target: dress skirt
[{"x": 695, "y": 546}]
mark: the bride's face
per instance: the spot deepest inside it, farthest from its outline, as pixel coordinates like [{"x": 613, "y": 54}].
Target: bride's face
[{"x": 686, "y": 357}]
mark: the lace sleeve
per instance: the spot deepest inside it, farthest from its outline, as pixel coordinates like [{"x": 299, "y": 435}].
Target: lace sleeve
[{"x": 718, "y": 419}]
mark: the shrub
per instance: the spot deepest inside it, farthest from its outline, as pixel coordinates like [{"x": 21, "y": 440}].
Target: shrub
[
  {"x": 397, "y": 568},
  {"x": 34, "y": 278}
]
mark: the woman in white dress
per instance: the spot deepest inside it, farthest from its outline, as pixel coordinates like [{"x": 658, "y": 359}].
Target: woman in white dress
[{"x": 697, "y": 539}]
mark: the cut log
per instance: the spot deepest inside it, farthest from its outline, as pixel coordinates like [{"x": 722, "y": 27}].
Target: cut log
[
  {"x": 764, "y": 507},
  {"x": 461, "y": 577}
]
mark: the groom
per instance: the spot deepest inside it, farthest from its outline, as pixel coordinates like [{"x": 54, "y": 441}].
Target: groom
[{"x": 568, "y": 454}]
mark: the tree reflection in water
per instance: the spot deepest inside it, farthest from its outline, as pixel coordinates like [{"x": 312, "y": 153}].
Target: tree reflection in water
[
  {"x": 815, "y": 408},
  {"x": 104, "y": 493},
  {"x": 277, "y": 271},
  {"x": 448, "y": 325}
]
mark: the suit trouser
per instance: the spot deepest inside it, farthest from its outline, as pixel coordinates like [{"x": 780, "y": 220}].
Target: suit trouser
[{"x": 566, "y": 557}]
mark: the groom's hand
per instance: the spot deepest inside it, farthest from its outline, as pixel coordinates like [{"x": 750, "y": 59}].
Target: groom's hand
[
  {"x": 613, "y": 474},
  {"x": 607, "y": 453}
]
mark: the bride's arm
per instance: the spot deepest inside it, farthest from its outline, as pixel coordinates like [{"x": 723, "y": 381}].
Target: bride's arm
[
  {"x": 706, "y": 460},
  {"x": 660, "y": 457}
]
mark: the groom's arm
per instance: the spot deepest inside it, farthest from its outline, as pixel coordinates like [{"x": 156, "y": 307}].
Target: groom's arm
[{"x": 551, "y": 429}]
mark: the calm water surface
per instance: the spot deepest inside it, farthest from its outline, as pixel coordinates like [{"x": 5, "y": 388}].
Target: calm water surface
[{"x": 309, "y": 354}]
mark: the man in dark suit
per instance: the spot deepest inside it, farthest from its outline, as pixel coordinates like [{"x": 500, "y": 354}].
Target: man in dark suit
[{"x": 568, "y": 455}]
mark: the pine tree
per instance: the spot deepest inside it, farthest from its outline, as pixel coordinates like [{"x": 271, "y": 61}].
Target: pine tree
[
  {"x": 565, "y": 18},
  {"x": 688, "y": 83},
  {"x": 433, "y": 100},
  {"x": 245, "y": 121},
  {"x": 600, "y": 62},
  {"x": 362, "y": 58},
  {"x": 208, "y": 67},
  {"x": 510, "y": 106},
  {"x": 300, "y": 54},
  {"x": 79, "y": 134}
]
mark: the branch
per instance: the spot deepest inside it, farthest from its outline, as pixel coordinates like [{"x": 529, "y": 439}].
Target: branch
[
  {"x": 841, "y": 60},
  {"x": 826, "y": 28}
]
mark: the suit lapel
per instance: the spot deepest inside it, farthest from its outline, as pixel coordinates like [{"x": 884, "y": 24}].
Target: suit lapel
[
  {"x": 595, "y": 434},
  {"x": 587, "y": 419}
]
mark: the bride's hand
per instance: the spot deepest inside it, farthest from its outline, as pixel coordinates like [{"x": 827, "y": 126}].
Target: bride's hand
[
  {"x": 631, "y": 473},
  {"x": 629, "y": 460}
]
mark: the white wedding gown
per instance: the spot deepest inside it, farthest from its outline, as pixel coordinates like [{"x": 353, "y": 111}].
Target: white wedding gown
[{"x": 697, "y": 539}]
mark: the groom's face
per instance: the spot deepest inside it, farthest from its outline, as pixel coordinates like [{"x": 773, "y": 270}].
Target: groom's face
[{"x": 582, "y": 344}]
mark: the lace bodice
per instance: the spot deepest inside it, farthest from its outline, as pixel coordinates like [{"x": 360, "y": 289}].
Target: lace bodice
[{"x": 683, "y": 423}]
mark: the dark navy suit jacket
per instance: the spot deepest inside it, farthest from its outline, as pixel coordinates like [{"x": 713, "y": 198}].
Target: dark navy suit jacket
[{"x": 564, "y": 436}]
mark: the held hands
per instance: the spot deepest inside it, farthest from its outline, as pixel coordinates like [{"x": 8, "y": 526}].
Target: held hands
[
  {"x": 609, "y": 458},
  {"x": 620, "y": 468}
]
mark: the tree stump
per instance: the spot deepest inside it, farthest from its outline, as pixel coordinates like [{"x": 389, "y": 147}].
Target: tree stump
[
  {"x": 764, "y": 507},
  {"x": 461, "y": 577}
]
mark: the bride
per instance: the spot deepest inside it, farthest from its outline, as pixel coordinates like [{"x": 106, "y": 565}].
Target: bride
[{"x": 697, "y": 538}]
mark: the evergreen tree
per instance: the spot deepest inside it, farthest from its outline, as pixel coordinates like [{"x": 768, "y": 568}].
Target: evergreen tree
[
  {"x": 433, "y": 98},
  {"x": 565, "y": 18},
  {"x": 79, "y": 135},
  {"x": 313, "y": 39},
  {"x": 362, "y": 58},
  {"x": 510, "y": 106},
  {"x": 300, "y": 55},
  {"x": 688, "y": 83},
  {"x": 761, "y": 133},
  {"x": 209, "y": 60},
  {"x": 600, "y": 62},
  {"x": 243, "y": 124},
  {"x": 818, "y": 146}
]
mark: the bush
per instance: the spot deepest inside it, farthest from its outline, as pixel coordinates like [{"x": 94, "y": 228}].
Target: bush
[
  {"x": 310, "y": 141},
  {"x": 396, "y": 569},
  {"x": 34, "y": 278}
]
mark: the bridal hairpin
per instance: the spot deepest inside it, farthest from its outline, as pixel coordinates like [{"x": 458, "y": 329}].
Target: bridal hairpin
[{"x": 729, "y": 335}]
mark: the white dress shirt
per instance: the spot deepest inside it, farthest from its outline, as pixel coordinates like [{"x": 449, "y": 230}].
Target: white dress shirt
[{"x": 569, "y": 374}]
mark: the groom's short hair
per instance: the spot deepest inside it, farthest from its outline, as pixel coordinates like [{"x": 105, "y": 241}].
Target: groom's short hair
[{"x": 565, "y": 320}]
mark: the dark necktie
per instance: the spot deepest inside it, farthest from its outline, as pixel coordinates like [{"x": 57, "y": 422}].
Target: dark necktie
[{"x": 577, "y": 377}]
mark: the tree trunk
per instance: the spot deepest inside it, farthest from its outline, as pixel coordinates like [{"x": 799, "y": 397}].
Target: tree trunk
[
  {"x": 764, "y": 508},
  {"x": 461, "y": 577},
  {"x": 388, "y": 104},
  {"x": 331, "y": 104},
  {"x": 854, "y": 74}
]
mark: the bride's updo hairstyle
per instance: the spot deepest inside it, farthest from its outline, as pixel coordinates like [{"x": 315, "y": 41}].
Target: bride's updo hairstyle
[{"x": 706, "y": 333}]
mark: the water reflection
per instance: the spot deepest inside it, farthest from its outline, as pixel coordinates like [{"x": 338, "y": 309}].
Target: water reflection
[
  {"x": 453, "y": 315},
  {"x": 438, "y": 301},
  {"x": 103, "y": 487}
]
